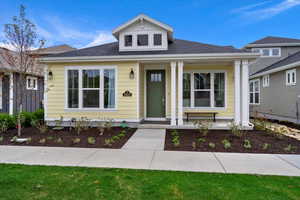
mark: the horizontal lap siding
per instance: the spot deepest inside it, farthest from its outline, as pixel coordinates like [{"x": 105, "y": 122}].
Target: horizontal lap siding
[
  {"x": 229, "y": 111},
  {"x": 126, "y": 106}
]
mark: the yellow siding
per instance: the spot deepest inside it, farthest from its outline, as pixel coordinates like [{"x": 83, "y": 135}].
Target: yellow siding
[
  {"x": 126, "y": 106},
  {"x": 229, "y": 111}
]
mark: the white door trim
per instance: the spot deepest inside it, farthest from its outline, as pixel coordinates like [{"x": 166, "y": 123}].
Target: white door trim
[{"x": 147, "y": 68}]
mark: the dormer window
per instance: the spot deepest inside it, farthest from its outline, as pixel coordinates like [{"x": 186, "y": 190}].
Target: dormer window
[
  {"x": 268, "y": 52},
  {"x": 128, "y": 40},
  {"x": 142, "y": 40},
  {"x": 157, "y": 39}
]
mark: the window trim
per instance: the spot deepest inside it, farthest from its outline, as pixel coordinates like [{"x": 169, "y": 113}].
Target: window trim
[
  {"x": 291, "y": 71},
  {"x": 212, "y": 94},
  {"x": 270, "y": 52},
  {"x": 157, "y": 45},
  {"x": 80, "y": 88},
  {"x": 264, "y": 82},
  {"x": 253, "y": 81},
  {"x": 36, "y": 83},
  {"x": 1, "y": 92}
]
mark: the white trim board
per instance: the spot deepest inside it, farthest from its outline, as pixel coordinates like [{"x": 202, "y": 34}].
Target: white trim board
[
  {"x": 164, "y": 57},
  {"x": 1, "y": 97}
]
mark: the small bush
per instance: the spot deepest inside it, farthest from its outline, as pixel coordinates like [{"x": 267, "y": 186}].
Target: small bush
[
  {"x": 226, "y": 143},
  {"x": 201, "y": 140},
  {"x": 247, "y": 144},
  {"x": 290, "y": 148},
  {"x": 42, "y": 141},
  {"x": 39, "y": 114},
  {"x": 3, "y": 126},
  {"x": 59, "y": 141},
  {"x": 27, "y": 118},
  {"x": 76, "y": 140},
  {"x": 40, "y": 125},
  {"x": 194, "y": 145},
  {"x": 107, "y": 142},
  {"x": 1, "y": 138},
  {"x": 266, "y": 146},
  {"x": 203, "y": 127},
  {"x": 211, "y": 145},
  {"x": 91, "y": 140},
  {"x": 10, "y": 120},
  {"x": 236, "y": 129}
]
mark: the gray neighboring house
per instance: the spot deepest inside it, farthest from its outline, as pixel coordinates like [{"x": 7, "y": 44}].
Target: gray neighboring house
[
  {"x": 275, "y": 79},
  {"x": 34, "y": 87}
]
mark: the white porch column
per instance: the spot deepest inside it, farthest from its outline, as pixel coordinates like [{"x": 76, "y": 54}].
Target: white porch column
[
  {"x": 11, "y": 93},
  {"x": 180, "y": 85},
  {"x": 45, "y": 103},
  {"x": 173, "y": 93},
  {"x": 245, "y": 93},
  {"x": 237, "y": 92}
]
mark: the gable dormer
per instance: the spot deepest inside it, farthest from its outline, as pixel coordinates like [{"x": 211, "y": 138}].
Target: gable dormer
[{"x": 143, "y": 34}]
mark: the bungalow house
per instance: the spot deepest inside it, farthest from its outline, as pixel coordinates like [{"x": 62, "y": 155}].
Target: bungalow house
[
  {"x": 274, "y": 85},
  {"x": 33, "y": 89},
  {"x": 148, "y": 75}
]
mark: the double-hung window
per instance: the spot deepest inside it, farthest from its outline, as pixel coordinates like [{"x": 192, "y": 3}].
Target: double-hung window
[
  {"x": 91, "y": 88},
  {"x": 291, "y": 77},
  {"x": 31, "y": 83},
  {"x": 254, "y": 91},
  {"x": 204, "y": 89}
]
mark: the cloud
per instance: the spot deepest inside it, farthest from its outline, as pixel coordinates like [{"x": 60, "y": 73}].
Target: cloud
[
  {"x": 7, "y": 46},
  {"x": 259, "y": 11},
  {"x": 101, "y": 38}
]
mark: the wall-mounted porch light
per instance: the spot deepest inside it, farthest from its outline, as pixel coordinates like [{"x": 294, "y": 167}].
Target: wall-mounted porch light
[
  {"x": 131, "y": 74},
  {"x": 50, "y": 75}
]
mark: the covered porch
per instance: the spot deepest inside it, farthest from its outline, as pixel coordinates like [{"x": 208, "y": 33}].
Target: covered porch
[{"x": 169, "y": 91}]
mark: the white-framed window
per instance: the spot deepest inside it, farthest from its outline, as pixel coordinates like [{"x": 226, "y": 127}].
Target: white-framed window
[
  {"x": 204, "y": 89},
  {"x": 91, "y": 87},
  {"x": 142, "y": 39},
  {"x": 254, "y": 90},
  {"x": 128, "y": 40},
  {"x": 31, "y": 83},
  {"x": 291, "y": 77},
  {"x": 268, "y": 52},
  {"x": 266, "y": 81}
]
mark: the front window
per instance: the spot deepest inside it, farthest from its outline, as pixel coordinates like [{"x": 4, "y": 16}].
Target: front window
[
  {"x": 96, "y": 89},
  {"x": 208, "y": 89},
  {"x": 31, "y": 83},
  {"x": 142, "y": 40},
  {"x": 254, "y": 91}
]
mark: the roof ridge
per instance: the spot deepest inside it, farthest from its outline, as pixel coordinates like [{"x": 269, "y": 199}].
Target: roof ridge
[{"x": 279, "y": 61}]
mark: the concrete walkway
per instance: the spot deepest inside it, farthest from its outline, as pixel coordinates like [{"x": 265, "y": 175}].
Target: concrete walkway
[
  {"x": 266, "y": 164},
  {"x": 147, "y": 139}
]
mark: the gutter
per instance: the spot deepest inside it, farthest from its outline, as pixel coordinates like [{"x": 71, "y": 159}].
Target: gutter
[
  {"x": 273, "y": 45},
  {"x": 285, "y": 67},
  {"x": 166, "y": 57}
]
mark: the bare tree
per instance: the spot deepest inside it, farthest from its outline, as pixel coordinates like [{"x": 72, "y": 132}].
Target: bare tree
[{"x": 21, "y": 35}]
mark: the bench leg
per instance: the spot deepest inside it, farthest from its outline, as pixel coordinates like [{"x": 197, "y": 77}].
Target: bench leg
[
  {"x": 214, "y": 117},
  {"x": 187, "y": 117}
]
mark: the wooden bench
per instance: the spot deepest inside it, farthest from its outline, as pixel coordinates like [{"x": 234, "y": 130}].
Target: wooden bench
[{"x": 210, "y": 114}]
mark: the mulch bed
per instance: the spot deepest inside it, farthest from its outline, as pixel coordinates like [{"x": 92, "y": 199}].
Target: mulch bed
[
  {"x": 67, "y": 137},
  {"x": 256, "y": 138}
]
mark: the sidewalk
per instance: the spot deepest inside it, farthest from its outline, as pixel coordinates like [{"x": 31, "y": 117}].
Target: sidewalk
[{"x": 265, "y": 164}]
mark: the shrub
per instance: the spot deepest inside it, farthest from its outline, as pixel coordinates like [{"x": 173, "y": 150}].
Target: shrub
[
  {"x": 91, "y": 140},
  {"x": 226, "y": 144},
  {"x": 27, "y": 118},
  {"x": 1, "y": 138},
  {"x": 211, "y": 145},
  {"x": 200, "y": 140},
  {"x": 108, "y": 124},
  {"x": 107, "y": 142},
  {"x": 100, "y": 127},
  {"x": 39, "y": 114},
  {"x": 40, "y": 125},
  {"x": 203, "y": 127},
  {"x": 290, "y": 148},
  {"x": 194, "y": 145},
  {"x": 236, "y": 129},
  {"x": 266, "y": 146},
  {"x": 82, "y": 124},
  {"x": 3, "y": 126},
  {"x": 76, "y": 140},
  {"x": 42, "y": 141},
  {"x": 10, "y": 120},
  {"x": 247, "y": 144},
  {"x": 59, "y": 141}
]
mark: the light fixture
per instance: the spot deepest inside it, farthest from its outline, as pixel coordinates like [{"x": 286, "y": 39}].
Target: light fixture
[
  {"x": 131, "y": 74},
  {"x": 50, "y": 75}
]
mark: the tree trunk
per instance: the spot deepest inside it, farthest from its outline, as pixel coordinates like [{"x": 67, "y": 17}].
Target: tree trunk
[{"x": 19, "y": 121}]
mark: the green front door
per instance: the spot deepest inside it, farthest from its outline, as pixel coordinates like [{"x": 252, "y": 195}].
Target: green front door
[{"x": 156, "y": 94}]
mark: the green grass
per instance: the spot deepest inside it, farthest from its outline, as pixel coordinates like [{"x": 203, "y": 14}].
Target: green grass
[{"x": 44, "y": 182}]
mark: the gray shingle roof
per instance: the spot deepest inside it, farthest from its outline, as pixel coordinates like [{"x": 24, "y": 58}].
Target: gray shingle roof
[
  {"x": 286, "y": 61},
  {"x": 276, "y": 40},
  {"x": 175, "y": 47}
]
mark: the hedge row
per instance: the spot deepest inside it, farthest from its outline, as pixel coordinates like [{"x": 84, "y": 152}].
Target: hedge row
[{"x": 28, "y": 118}]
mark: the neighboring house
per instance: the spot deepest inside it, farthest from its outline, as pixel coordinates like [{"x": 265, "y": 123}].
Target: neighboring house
[
  {"x": 275, "y": 79},
  {"x": 34, "y": 87},
  {"x": 148, "y": 75}
]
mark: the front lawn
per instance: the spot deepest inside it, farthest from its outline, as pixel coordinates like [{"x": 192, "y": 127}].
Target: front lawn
[{"x": 44, "y": 182}]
